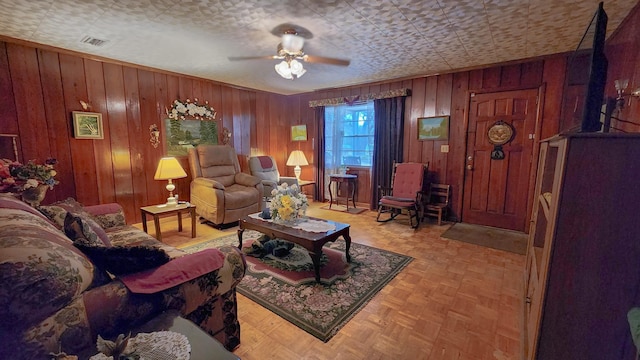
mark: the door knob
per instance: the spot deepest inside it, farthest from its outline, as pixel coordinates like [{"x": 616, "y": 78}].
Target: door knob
[{"x": 469, "y": 162}]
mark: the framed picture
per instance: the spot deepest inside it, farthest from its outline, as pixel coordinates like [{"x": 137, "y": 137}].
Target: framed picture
[
  {"x": 299, "y": 133},
  {"x": 87, "y": 125},
  {"x": 433, "y": 128},
  {"x": 181, "y": 135}
]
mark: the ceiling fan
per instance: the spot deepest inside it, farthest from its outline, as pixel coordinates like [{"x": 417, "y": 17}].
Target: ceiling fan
[{"x": 290, "y": 50}]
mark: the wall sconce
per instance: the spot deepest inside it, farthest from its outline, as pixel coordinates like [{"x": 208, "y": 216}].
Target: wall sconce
[
  {"x": 226, "y": 136},
  {"x": 154, "y": 132},
  {"x": 621, "y": 85}
]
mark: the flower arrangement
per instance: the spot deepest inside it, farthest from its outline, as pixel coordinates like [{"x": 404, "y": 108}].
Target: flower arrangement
[
  {"x": 181, "y": 110},
  {"x": 287, "y": 202},
  {"x": 17, "y": 177}
]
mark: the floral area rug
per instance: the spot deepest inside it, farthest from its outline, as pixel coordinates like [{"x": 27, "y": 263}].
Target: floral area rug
[{"x": 287, "y": 287}]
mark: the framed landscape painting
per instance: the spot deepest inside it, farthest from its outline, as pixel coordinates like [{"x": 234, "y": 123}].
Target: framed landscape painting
[
  {"x": 181, "y": 135},
  {"x": 299, "y": 133},
  {"x": 87, "y": 125},
  {"x": 433, "y": 128}
]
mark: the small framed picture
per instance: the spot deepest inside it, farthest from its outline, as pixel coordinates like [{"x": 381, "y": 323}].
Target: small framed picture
[
  {"x": 87, "y": 125},
  {"x": 433, "y": 128},
  {"x": 299, "y": 133}
]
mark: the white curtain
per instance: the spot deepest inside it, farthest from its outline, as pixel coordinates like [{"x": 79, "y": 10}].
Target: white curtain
[{"x": 336, "y": 147}]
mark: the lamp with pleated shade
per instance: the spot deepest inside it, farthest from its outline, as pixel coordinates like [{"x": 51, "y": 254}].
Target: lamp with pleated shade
[{"x": 168, "y": 169}]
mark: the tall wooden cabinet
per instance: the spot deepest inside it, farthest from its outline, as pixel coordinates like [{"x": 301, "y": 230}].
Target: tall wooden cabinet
[{"x": 583, "y": 261}]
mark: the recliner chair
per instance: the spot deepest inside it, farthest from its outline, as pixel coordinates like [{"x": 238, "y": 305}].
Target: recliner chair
[
  {"x": 222, "y": 193},
  {"x": 265, "y": 168}
]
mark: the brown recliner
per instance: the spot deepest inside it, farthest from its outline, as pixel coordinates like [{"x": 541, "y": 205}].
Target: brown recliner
[{"x": 221, "y": 193}]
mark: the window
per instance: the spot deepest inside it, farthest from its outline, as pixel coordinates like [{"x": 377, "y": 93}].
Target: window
[{"x": 349, "y": 135}]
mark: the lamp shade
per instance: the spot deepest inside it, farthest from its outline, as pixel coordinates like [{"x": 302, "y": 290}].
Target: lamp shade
[
  {"x": 292, "y": 43},
  {"x": 296, "y": 68},
  {"x": 169, "y": 168},
  {"x": 297, "y": 158},
  {"x": 283, "y": 70}
]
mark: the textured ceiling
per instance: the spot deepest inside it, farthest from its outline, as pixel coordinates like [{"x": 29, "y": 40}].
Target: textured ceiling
[{"x": 384, "y": 39}]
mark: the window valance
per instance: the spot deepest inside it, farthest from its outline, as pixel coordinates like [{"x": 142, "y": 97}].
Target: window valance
[{"x": 356, "y": 98}]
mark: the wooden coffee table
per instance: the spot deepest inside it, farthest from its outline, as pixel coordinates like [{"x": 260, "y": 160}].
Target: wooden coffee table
[{"x": 312, "y": 241}]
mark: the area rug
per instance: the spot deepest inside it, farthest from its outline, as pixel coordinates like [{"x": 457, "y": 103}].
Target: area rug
[
  {"x": 343, "y": 208},
  {"x": 501, "y": 239},
  {"x": 287, "y": 287}
]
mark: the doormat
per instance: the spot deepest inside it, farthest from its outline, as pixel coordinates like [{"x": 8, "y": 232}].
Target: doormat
[
  {"x": 286, "y": 286},
  {"x": 343, "y": 208},
  {"x": 496, "y": 238}
]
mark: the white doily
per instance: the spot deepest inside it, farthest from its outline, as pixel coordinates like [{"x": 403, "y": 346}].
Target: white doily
[
  {"x": 159, "y": 345},
  {"x": 305, "y": 225}
]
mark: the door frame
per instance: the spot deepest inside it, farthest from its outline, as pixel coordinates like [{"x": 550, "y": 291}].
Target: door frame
[{"x": 533, "y": 163}]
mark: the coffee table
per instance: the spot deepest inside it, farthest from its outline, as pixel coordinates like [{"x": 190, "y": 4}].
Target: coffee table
[{"x": 311, "y": 241}]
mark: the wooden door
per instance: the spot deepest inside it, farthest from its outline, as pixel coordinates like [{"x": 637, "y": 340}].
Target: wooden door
[{"x": 496, "y": 190}]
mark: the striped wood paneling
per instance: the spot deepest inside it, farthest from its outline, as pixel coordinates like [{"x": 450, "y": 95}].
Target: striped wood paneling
[{"x": 39, "y": 89}]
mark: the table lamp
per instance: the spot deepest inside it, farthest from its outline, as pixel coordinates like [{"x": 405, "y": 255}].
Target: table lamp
[
  {"x": 296, "y": 159},
  {"x": 169, "y": 168}
]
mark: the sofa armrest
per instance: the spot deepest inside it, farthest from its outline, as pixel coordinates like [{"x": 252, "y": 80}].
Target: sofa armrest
[
  {"x": 112, "y": 309},
  {"x": 210, "y": 183},
  {"x": 269, "y": 184},
  {"x": 108, "y": 215},
  {"x": 247, "y": 180}
]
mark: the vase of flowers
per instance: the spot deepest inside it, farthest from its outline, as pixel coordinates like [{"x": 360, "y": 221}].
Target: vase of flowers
[
  {"x": 31, "y": 181},
  {"x": 287, "y": 204}
]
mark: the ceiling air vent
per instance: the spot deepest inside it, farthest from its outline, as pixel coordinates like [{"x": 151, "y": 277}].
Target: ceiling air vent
[{"x": 93, "y": 41}]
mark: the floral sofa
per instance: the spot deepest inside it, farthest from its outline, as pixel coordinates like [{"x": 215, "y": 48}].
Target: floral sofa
[{"x": 54, "y": 298}]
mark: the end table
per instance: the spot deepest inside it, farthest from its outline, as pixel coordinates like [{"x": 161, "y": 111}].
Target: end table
[{"x": 164, "y": 209}]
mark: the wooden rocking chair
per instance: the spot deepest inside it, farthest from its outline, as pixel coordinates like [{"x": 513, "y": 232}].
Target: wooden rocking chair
[{"x": 405, "y": 193}]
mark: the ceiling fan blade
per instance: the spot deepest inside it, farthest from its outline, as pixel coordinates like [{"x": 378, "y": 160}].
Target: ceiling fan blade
[
  {"x": 267, "y": 57},
  {"x": 326, "y": 60}
]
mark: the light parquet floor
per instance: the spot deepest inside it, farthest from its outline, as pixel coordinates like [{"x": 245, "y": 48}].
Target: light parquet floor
[{"x": 454, "y": 301}]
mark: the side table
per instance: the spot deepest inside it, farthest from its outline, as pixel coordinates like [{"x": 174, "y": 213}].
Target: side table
[
  {"x": 351, "y": 181},
  {"x": 203, "y": 346},
  {"x": 302, "y": 183},
  {"x": 163, "y": 209}
]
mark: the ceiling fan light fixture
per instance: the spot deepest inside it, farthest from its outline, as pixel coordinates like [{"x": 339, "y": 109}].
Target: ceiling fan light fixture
[
  {"x": 284, "y": 70},
  {"x": 296, "y": 68},
  {"x": 292, "y": 43}
]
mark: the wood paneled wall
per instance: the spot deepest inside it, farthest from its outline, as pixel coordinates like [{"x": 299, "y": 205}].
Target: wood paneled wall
[
  {"x": 448, "y": 94},
  {"x": 40, "y": 87},
  {"x": 623, "y": 54}
]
